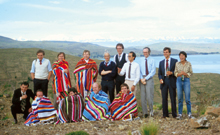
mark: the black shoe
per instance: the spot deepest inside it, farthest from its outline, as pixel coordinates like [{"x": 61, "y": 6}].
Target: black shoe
[
  {"x": 146, "y": 115},
  {"x": 15, "y": 121}
]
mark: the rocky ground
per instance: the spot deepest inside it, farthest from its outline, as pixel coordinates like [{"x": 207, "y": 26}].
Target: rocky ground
[{"x": 205, "y": 125}]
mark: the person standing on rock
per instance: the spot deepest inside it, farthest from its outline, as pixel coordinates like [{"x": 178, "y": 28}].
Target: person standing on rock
[
  {"x": 21, "y": 101},
  {"x": 107, "y": 69},
  {"x": 183, "y": 72},
  {"x": 168, "y": 82},
  {"x": 147, "y": 71},
  {"x": 120, "y": 59},
  {"x": 85, "y": 73},
  {"x": 131, "y": 70},
  {"x": 41, "y": 72}
]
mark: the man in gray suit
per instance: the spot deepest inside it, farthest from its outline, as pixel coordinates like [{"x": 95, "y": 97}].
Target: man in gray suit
[{"x": 147, "y": 71}]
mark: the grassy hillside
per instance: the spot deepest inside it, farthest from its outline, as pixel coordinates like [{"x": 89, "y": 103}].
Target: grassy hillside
[{"x": 16, "y": 64}]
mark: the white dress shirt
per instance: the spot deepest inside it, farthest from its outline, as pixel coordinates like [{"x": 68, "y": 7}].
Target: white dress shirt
[
  {"x": 87, "y": 60},
  {"x": 135, "y": 72},
  {"x": 119, "y": 57},
  {"x": 165, "y": 62},
  {"x": 22, "y": 93}
]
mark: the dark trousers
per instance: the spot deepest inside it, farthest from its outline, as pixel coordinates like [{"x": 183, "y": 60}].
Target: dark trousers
[
  {"x": 41, "y": 84},
  {"x": 167, "y": 87},
  {"x": 109, "y": 86},
  {"x": 17, "y": 109},
  {"x": 119, "y": 80}
]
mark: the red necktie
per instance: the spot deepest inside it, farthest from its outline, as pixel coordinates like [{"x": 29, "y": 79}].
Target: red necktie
[
  {"x": 147, "y": 72},
  {"x": 40, "y": 62},
  {"x": 167, "y": 65},
  {"x": 106, "y": 64}
]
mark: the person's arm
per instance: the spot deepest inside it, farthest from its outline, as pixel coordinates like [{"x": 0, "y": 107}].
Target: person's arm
[
  {"x": 152, "y": 72},
  {"x": 176, "y": 71},
  {"x": 16, "y": 98},
  {"x": 141, "y": 74},
  {"x": 126, "y": 57},
  {"x": 113, "y": 73},
  {"x": 100, "y": 68},
  {"x": 33, "y": 70},
  {"x": 123, "y": 70},
  {"x": 50, "y": 70},
  {"x": 137, "y": 77},
  {"x": 173, "y": 74},
  {"x": 159, "y": 72},
  {"x": 114, "y": 59},
  {"x": 190, "y": 72}
]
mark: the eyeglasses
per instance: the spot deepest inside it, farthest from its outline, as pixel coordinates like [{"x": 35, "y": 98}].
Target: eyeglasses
[
  {"x": 118, "y": 48},
  {"x": 129, "y": 56}
]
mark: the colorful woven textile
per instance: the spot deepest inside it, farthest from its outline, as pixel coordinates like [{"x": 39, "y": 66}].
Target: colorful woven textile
[
  {"x": 123, "y": 105},
  {"x": 96, "y": 107},
  {"x": 85, "y": 74},
  {"x": 61, "y": 80},
  {"x": 42, "y": 112},
  {"x": 71, "y": 109}
]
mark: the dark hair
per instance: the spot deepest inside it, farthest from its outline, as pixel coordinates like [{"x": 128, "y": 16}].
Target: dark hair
[
  {"x": 73, "y": 89},
  {"x": 120, "y": 44},
  {"x": 133, "y": 54},
  {"x": 167, "y": 48},
  {"x": 61, "y": 53},
  {"x": 25, "y": 83},
  {"x": 184, "y": 53},
  {"x": 39, "y": 90},
  {"x": 86, "y": 51},
  {"x": 149, "y": 51},
  {"x": 40, "y": 51},
  {"x": 124, "y": 85}
]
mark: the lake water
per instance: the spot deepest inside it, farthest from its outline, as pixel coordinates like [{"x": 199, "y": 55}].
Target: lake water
[{"x": 200, "y": 63}]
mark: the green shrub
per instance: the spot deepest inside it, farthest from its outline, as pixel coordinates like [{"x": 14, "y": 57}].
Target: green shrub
[
  {"x": 78, "y": 133},
  {"x": 151, "y": 128}
]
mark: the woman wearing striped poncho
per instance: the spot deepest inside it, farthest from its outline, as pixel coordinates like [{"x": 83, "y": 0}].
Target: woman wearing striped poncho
[
  {"x": 124, "y": 106},
  {"x": 97, "y": 104},
  {"x": 85, "y": 73},
  {"x": 61, "y": 80},
  {"x": 71, "y": 108},
  {"x": 42, "y": 111}
]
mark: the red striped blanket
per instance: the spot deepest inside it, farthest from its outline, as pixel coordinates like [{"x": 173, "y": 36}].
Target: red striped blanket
[
  {"x": 85, "y": 75},
  {"x": 61, "y": 80},
  {"x": 124, "y": 106}
]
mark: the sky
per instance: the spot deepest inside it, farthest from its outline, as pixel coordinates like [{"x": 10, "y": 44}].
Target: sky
[{"x": 110, "y": 20}]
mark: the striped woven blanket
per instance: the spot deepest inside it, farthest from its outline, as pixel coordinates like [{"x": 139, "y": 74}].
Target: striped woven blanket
[
  {"x": 71, "y": 109},
  {"x": 96, "y": 107},
  {"x": 42, "y": 112},
  {"x": 85, "y": 74},
  {"x": 61, "y": 80},
  {"x": 124, "y": 106}
]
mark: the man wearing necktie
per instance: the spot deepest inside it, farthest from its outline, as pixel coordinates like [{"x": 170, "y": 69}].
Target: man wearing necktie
[
  {"x": 41, "y": 72},
  {"x": 131, "y": 70},
  {"x": 168, "y": 82},
  {"x": 107, "y": 69},
  {"x": 120, "y": 59},
  {"x": 147, "y": 71},
  {"x": 21, "y": 101}
]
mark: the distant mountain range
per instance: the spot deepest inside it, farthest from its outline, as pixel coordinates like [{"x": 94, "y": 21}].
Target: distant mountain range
[{"x": 97, "y": 51}]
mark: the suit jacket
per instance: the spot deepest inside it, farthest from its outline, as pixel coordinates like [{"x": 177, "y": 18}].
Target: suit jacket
[
  {"x": 16, "y": 97},
  {"x": 161, "y": 72}
]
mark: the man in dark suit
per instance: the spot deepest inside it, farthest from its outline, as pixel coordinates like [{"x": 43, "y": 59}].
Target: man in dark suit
[
  {"x": 21, "y": 101},
  {"x": 168, "y": 82}
]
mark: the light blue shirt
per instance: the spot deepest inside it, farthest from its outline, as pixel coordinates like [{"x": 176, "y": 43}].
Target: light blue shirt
[
  {"x": 109, "y": 62},
  {"x": 33, "y": 65},
  {"x": 151, "y": 67}
]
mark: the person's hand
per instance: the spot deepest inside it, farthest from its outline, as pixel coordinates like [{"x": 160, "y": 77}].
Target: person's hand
[
  {"x": 183, "y": 73},
  {"x": 132, "y": 88},
  {"x": 29, "y": 110},
  {"x": 143, "y": 81},
  {"x": 24, "y": 97},
  {"x": 109, "y": 71},
  {"x": 169, "y": 73},
  {"x": 161, "y": 81},
  {"x": 119, "y": 70},
  {"x": 66, "y": 70}
]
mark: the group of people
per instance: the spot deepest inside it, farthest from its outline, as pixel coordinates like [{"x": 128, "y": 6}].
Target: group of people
[{"x": 89, "y": 100}]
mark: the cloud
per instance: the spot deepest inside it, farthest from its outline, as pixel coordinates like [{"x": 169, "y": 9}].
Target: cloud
[
  {"x": 86, "y": 0},
  {"x": 54, "y": 2},
  {"x": 3, "y": 1}
]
